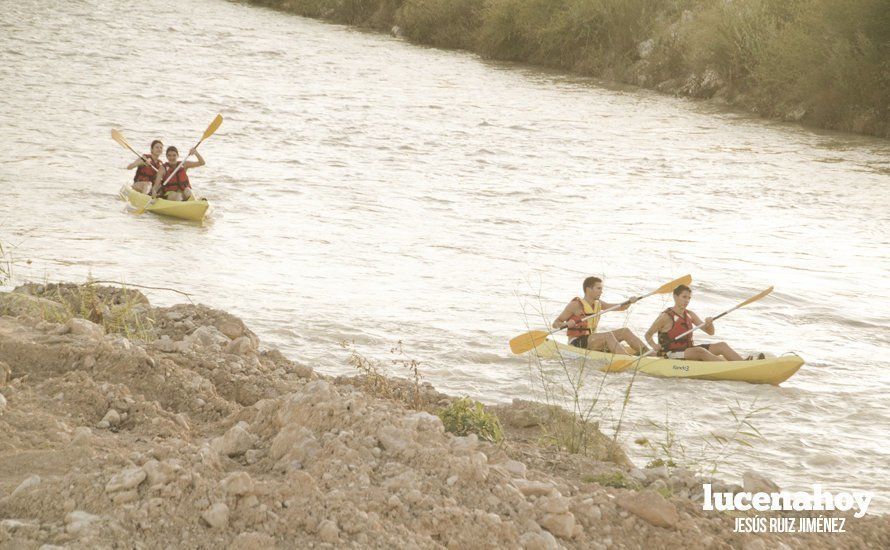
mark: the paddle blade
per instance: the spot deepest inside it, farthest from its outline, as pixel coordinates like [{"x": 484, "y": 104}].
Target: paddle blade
[
  {"x": 528, "y": 341},
  {"x": 119, "y": 137},
  {"x": 212, "y": 128},
  {"x": 755, "y": 298},
  {"x": 669, "y": 287}
]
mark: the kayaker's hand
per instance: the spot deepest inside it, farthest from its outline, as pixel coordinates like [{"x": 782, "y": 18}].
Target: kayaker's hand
[
  {"x": 192, "y": 151},
  {"x": 709, "y": 323},
  {"x": 571, "y": 323}
]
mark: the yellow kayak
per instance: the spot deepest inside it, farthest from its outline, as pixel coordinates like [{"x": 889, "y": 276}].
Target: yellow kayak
[
  {"x": 772, "y": 370},
  {"x": 186, "y": 210}
]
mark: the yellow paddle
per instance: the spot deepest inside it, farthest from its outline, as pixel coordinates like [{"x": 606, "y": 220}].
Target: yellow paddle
[
  {"x": 621, "y": 365},
  {"x": 207, "y": 133},
  {"x": 119, "y": 137},
  {"x": 533, "y": 338}
]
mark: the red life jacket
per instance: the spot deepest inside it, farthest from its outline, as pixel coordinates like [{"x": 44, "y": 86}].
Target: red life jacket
[
  {"x": 178, "y": 183},
  {"x": 682, "y": 323},
  {"x": 147, "y": 172},
  {"x": 584, "y": 328}
]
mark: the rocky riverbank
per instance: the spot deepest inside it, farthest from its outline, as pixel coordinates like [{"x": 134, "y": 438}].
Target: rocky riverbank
[
  {"x": 127, "y": 425},
  {"x": 817, "y": 62}
]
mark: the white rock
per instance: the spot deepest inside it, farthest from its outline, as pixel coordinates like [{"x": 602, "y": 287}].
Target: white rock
[
  {"x": 534, "y": 488},
  {"x": 553, "y": 505},
  {"x": 2, "y": 402},
  {"x": 83, "y": 327},
  {"x": 515, "y": 468},
  {"x": 465, "y": 444},
  {"x": 235, "y": 441},
  {"x": 112, "y": 417},
  {"x": 562, "y": 525},
  {"x": 122, "y": 343},
  {"x": 289, "y": 436},
  {"x": 207, "y": 336},
  {"x": 217, "y": 516},
  {"x": 538, "y": 541},
  {"x": 392, "y": 438},
  {"x": 165, "y": 344},
  {"x": 241, "y": 346},
  {"x": 238, "y": 483},
  {"x": 30, "y": 481},
  {"x": 182, "y": 346},
  {"x": 127, "y": 478},
  {"x": 78, "y": 520},
  {"x": 82, "y": 436},
  {"x": 12, "y": 525},
  {"x": 328, "y": 531},
  {"x": 651, "y": 507},
  {"x": 232, "y": 328}
]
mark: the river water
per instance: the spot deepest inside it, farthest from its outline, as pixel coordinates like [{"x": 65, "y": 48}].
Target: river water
[{"x": 371, "y": 191}]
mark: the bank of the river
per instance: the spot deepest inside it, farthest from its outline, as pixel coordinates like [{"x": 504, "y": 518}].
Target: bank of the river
[
  {"x": 818, "y": 62},
  {"x": 157, "y": 427}
]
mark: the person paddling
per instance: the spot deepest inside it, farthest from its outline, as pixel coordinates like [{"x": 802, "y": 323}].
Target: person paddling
[
  {"x": 676, "y": 320},
  {"x": 178, "y": 187},
  {"x": 582, "y": 333},
  {"x": 147, "y": 168}
]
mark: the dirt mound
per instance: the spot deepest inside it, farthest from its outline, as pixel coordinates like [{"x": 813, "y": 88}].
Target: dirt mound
[{"x": 189, "y": 435}]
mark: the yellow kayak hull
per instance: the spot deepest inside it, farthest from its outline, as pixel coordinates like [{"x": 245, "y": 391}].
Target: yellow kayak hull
[
  {"x": 194, "y": 210},
  {"x": 772, "y": 370}
]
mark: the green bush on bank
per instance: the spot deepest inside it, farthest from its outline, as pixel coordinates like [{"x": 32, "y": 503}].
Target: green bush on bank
[
  {"x": 465, "y": 416},
  {"x": 826, "y": 62},
  {"x": 441, "y": 23}
]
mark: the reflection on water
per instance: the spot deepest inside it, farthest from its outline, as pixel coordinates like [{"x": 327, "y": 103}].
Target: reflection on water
[{"x": 369, "y": 190}]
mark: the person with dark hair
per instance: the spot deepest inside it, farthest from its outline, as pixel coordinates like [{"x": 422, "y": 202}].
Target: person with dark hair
[
  {"x": 674, "y": 321},
  {"x": 147, "y": 168},
  {"x": 582, "y": 332},
  {"x": 178, "y": 188}
]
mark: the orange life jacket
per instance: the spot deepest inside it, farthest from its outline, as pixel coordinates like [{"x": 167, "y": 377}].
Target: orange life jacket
[
  {"x": 147, "y": 172},
  {"x": 668, "y": 340},
  {"x": 179, "y": 182},
  {"x": 584, "y": 328}
]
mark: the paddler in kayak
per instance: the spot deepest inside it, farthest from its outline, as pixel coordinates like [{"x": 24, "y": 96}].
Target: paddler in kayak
[
  {"x": 178, "y": 188},
  {"x": 676, "y": 320},
  {"x": 583, "y": 334},
  {"x": 147, "y": 168}
]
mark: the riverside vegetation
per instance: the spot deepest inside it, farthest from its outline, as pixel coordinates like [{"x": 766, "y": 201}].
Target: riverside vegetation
[{"x": 820, "y": 62}]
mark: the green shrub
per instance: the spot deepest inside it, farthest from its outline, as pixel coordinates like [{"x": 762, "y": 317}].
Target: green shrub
[
  {"x": 465, "y": 416},
  {"x": 612, "y": 479},
  {"x": 833, "y": 61},
  {"x": 442, "y": 23}
]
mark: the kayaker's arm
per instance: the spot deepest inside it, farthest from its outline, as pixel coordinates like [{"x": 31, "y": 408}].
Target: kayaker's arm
[
  {"x": 656, "y": 327},
  {"x": 619, "y": 307},
  {"x": 564, "y": 316},
  {"x": 159, "y": 178},
  {"x": 709, "y": 323},
  {"x": 194, "y": 163},
  {"x": 135, "y": 163}
]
